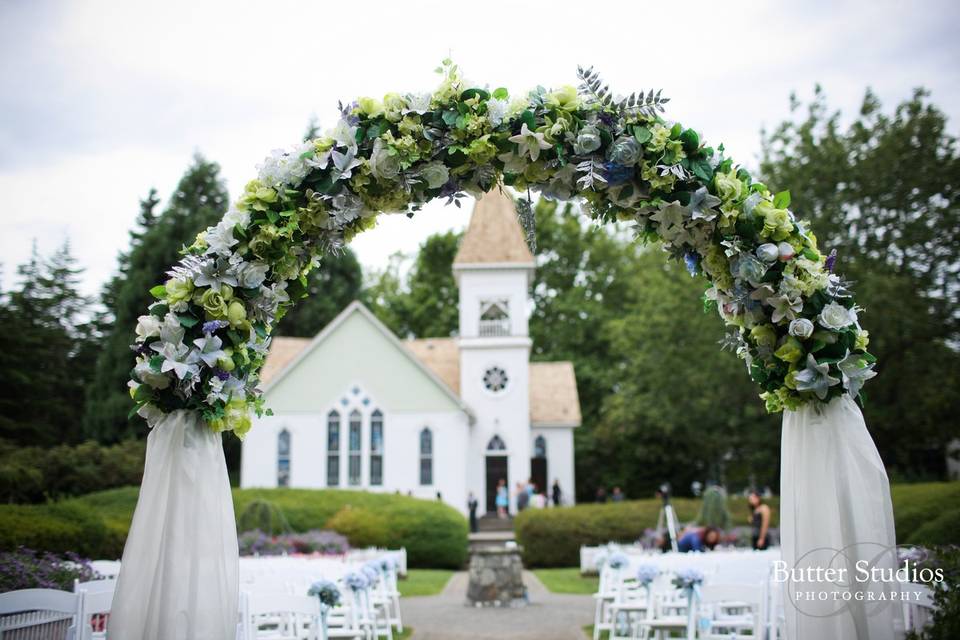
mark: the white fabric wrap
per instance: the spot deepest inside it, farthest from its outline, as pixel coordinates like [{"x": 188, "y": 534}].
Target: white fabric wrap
[
  {"x": 179, "y": 575},
  {"x": 835, "y": 511}
]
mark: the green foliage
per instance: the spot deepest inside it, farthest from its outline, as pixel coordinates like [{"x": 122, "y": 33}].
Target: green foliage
[
  {"x": 47, "y": 349},
  {"x": 198, "y": 202},
  {"x": 924, "y": 514},
  {"x": 35, "y": 474},
  {"x": 424, "y": 582},
  {"x": 883, "y": 191},
  {"x": 661, "y": 419},
  {"x": 567, "y": 580},
  {"x": 434, "y": 534},
  {"x": 713, "y": 511},
  {"x": 553, "y": 537},
  {"x": 337, "y": 282},
  {"x": 425, "y": 304},
  {"x": 264, "y": 516}
]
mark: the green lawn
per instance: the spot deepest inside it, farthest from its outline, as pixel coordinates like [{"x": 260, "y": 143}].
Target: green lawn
[
  {"x": 567, "y": 580},
  {"x": 424, "y": 582}
]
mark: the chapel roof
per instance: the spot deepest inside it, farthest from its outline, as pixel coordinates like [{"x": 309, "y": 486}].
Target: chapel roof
[
  {"x": 494, "y": 235},
  {"x": 553, "y": 385}
]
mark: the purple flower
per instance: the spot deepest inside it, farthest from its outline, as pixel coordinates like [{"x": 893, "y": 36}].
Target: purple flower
[
  {"x": 220, "y": 373},
  {"x": 214, "y": 325},
  {"x": 692, "y": 261},
  {"x": 831, "y": 260}
]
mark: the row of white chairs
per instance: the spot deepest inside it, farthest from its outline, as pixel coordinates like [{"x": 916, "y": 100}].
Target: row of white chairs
[
  {"x": 722, "y": 609},
  {"x": 269, "y": 611}
]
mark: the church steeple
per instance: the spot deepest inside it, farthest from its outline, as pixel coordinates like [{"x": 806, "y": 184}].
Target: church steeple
[
  {"x": 494, "y": 236},
  {"x": 493, "y": 268}
]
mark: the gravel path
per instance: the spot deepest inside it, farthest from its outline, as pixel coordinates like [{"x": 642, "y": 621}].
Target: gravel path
[{"x": 549, "y": 616}]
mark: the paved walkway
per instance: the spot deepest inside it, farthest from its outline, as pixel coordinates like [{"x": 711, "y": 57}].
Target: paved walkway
[{"x": 549, "y": 616}]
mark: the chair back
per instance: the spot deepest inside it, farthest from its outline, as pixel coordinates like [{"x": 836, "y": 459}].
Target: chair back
[
  {"x": 52, "y": 610},
  {"x": 917, "y": 613},
  {"x": 295, "y": 615}
]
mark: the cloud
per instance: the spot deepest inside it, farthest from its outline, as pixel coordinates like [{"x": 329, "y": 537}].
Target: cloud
[{"x": 103, "y": 100}]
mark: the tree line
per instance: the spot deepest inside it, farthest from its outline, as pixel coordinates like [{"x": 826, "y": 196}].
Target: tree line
[{"x": 660, "y": 400}]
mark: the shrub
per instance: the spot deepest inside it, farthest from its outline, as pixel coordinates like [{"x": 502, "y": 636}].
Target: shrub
[
  {"x": 713, "y": 511},
  {"x": 35, "y": 474},
  {"x": 553, "y": 537},
  {"x": 96, "y": 525},
  {"x": 264, "y": 516},
  {"x": 26, "y": 569}
]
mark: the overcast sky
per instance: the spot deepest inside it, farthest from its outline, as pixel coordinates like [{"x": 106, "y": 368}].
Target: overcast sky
[{"x": 101, "y": 101}]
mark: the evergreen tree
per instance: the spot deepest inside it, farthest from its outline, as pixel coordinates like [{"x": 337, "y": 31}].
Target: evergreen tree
[
  {"x": 47, "y": 346},
  {"x": 198, "y": 202}
]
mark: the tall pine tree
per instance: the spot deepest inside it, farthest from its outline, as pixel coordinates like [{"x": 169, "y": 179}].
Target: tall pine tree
[
  {"x": 198, "y": 202},
  {"x": 47, "y": 352}
]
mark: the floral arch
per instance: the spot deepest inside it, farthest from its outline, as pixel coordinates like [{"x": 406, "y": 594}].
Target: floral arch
[{"x": 790, "y": 318}]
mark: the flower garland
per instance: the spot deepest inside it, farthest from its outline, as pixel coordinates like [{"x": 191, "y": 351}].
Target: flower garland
[{"x": 793, "y": 321}]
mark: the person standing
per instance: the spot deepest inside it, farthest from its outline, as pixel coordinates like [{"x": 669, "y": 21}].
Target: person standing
[
  {"x": 557, "y": 493},
  {"x": 472, "y": 505},
  {"x": 617, "y": 495},
  {"x": 601, "y": 495},
  {"x": 759, "y": 521},
  {"x": 523, "y": 497},
  {"x": 503, "y": 498}
]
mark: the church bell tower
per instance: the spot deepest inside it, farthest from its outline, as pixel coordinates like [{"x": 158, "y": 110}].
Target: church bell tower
[{"x": 494, "y": 269}]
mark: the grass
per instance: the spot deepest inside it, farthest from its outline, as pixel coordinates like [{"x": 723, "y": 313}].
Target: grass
[
  {"x": 424, "y": 582},
  {"x": 407, "y": 632},
  {"x": 567, "y": 580}
]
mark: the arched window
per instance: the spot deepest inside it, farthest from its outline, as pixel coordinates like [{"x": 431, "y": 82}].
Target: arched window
[
  {"x": 376, "y": 448},
  {"x": 353, "y": 469},
  {"x": 333, "y": 449},
  {"x": 496, "y": 444},
  {"x": 426, "y": 456},
  {"x": 283, "y": 459},
  {"x": 540, "y": 447}
]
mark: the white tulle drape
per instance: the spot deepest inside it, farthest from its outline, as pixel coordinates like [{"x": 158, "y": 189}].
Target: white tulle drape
[
  {"x": 835, "y": 511},
  {"x": 179, "y": 574}
]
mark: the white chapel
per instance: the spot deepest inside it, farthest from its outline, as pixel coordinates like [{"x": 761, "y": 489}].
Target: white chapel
[{"x": 357, "y": 408}]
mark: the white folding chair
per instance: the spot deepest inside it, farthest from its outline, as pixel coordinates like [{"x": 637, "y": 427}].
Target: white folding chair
[
  {"x": 731, "y": 612},
  {"x": 47, "y": 612},
  {"x": 917, "y": 613},
  {"x": 280, "y": 616},
  {"x": 97, "y": 599}
]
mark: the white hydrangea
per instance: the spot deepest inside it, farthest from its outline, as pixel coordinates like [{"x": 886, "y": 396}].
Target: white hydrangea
[
  {"x": 286, "y": 168},
  {"x": 496, "y": 110}
]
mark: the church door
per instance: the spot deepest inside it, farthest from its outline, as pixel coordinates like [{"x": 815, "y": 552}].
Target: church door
[
  {"x": 538, "y": 473},
  {"x": 496, "y": 471}
]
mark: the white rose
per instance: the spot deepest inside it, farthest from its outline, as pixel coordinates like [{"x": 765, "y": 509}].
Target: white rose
[
  {"x": 235, "y": 217},
  {"x": 147, "y": 327},
  {"x": 801, "y": 328},
  {"x": 383, "y": 164},
  {"x": 435, "y": 174},
  {"x": 835, "y": 316},
  {"x": 768, "y": 252}
]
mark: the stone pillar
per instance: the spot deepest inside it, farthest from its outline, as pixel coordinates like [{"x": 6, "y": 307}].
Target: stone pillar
[{"x": 496, "y": 578}]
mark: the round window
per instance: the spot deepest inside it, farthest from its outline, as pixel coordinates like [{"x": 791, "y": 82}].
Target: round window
[{"x": 495, "y": 379}]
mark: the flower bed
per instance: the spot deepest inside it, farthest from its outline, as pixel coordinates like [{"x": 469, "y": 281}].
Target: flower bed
[{"x": 258, "y": 543}]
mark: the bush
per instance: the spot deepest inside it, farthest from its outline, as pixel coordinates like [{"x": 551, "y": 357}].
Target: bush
[
  {"x": 263, "y": 516},
  {"x": 713, "y": 511},
  {"x": 553, "y": 537},
  {"x": 925, "y": 514},
  {"x": 34, "y": 474},
  {"x": 96, "y": 525},
  {"x": 26, "y": 569}
]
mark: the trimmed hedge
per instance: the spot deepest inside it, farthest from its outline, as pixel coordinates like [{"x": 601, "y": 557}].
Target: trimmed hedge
[
  {"x": 925, "y": 514},
  {"x": 96, "y": 525}
]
